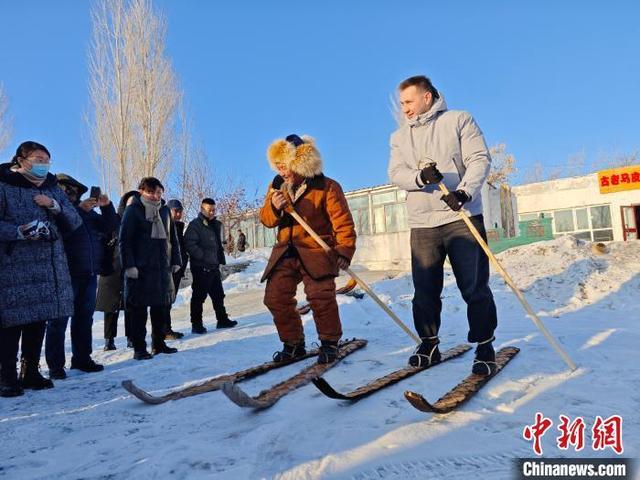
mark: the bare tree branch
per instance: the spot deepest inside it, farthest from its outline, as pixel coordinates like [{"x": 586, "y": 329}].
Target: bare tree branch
[
  {"x": 502, "y": 165},
  {"x": 133, "y": 91},
  {"x": 5, "y": 120}
]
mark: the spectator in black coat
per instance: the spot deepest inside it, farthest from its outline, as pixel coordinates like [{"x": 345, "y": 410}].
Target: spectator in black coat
[
  {"x": 203, "y": 241},
  {"x": 242, "y": 241},
  {"x": 177, "y": 210},
  {"x": 150, "y": 253},
  {"x": 85, "y": 248},
  {"x": 111, "y": 286}
]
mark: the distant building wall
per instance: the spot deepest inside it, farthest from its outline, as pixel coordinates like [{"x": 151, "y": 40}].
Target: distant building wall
[{"x": 576, "y": 207}]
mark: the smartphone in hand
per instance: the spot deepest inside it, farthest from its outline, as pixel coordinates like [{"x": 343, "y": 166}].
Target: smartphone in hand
[{"x": 95, "y": 193}]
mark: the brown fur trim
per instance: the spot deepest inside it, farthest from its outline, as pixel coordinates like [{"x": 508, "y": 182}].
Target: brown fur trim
[
  {"x": 304, "y": 160},
  {"x": 280, "y": 152}
]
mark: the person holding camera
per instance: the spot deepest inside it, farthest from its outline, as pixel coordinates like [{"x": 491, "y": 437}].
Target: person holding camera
[
  {"x": 85, "y": 248},
  {"x": 34, "y": 278},
  {"x": 150, "y": 253},
  {"x": 109, "y": 297},
  {"x": 440, "y": 145}
]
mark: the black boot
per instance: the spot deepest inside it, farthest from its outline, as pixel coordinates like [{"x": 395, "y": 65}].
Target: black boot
[
  {"x": 142, "y": 355},
  {"x": 226, "y": 323},
  {"x": 9, "y": 385},
  {"x": 328, "y": 351},
  {"x": 57, "y": 374},
  {"x": 426, "y": 354},
  {"x": 30, "y": 377},
  {"x": 289, "y": 352},
  {"x": 163, "y": 348},
  {"x": 109, "y": 344},
  {"x": 198, "y": 328},
  {"x": 485, "y": 361},
  {"x": 89, "y": 366},
  {"x": 171, "y": 335}
]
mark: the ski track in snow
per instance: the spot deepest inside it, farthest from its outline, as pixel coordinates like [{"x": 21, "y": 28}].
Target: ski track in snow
[{"x": 89, "y": 427}]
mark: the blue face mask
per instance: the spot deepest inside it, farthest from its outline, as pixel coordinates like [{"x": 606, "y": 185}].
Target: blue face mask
[{"x": 40, "y": 170}]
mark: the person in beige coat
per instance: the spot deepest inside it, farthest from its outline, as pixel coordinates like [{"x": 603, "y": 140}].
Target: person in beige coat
[{"x": 439, "y": 145}]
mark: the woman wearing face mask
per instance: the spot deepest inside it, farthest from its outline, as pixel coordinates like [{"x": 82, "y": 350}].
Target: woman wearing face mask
[{"x": 34, "y": 276}]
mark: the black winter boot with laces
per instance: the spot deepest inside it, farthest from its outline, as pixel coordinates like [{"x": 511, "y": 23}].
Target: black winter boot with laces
[
  {"x": 30, "y": 377},
  {"x": 9, "y": 385},
  {"x": 485, "y": 361},
  {"x": 426, "y": 354},
  {"x": 289, "y": 352},
  {"x": 328, "y": 351}
]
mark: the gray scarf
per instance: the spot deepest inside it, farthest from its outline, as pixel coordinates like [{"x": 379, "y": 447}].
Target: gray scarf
[{"x": 152, "y": 214}]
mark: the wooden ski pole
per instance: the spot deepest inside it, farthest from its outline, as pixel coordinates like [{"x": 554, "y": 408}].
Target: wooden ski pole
[
  {"x": 513, "y": 286},
  {"x": 290, "y": 210}
]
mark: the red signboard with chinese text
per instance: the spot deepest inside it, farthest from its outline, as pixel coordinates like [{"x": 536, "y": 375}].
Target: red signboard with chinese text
[{"x": 619, "y": 179}]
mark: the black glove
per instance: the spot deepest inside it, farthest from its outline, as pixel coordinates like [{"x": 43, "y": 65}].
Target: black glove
[
  {"x": 456, "y": 199},
  {"x": 430, "y": 175}
]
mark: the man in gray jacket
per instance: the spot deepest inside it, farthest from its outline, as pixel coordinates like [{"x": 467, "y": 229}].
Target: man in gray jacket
[{"x": 438, "y": 145}]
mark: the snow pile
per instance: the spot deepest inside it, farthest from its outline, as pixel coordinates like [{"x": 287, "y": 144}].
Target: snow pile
[{"x": 89, "y": 427}]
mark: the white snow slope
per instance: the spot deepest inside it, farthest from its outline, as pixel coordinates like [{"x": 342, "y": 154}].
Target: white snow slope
[{"x": 89, "y": 427}]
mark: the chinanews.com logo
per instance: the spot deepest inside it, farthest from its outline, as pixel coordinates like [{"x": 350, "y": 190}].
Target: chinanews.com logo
[{"x": 602, "y": 435}]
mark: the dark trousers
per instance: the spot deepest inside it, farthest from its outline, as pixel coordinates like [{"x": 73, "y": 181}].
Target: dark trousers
[
  {"x": 207, "y": 282},
  {"x": 32, "y": 338},
  {"x": 111, "y": 325},
  {"x": 138, "y": 326},
  {"x": 84, "y": 304},
  {"x": 429, "y": 247},
  {"x": 177, "y": 278}
]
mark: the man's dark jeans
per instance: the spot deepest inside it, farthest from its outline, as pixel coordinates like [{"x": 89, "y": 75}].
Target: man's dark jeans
[
  {"x": 84, "y": 304},
  {"x": 207, "y": 282},
  {"x": 429, "y": 247}
]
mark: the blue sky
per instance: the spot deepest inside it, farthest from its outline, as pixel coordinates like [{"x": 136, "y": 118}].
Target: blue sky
[{"x": 549, "y": 79}]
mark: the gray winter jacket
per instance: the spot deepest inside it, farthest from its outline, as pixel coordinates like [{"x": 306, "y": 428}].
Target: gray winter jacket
[
  {"x": 34, "y": 276},
  {"x": 452, "y": 140}
]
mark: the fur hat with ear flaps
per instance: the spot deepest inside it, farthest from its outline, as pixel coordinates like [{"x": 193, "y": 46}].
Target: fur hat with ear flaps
[{"x": 298, "y": 154}]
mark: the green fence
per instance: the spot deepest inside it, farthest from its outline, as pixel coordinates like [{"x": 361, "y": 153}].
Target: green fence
[{"x": 530, "y": 231}]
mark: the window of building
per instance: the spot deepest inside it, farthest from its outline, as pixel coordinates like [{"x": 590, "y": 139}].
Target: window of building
[
  {"x": 380, "y": 198},
  {"x": 603, "y": 235},
  {"x": 361, "y": 221},
  {"x": 396, "y": 217},
  {"x": 582, "y": 219},
  {"x": 358, "y": 202},
  {"x": 563, "y": 220},
  {"x": 601, "y": 216},
  {"x": 379, "y": 220},
  {"x": 359, "y": 207}
]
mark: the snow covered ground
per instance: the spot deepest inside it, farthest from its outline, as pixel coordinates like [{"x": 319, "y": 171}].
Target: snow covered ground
[{"x": 89, "y": 427}]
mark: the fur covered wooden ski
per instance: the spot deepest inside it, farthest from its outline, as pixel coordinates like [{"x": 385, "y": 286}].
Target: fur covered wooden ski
[
  {"x": 212, "y": 384},
  {"x": 270, "y": 396},
  {"x": 382, "y": 382},
  {"x": 464, "y": 390}
]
